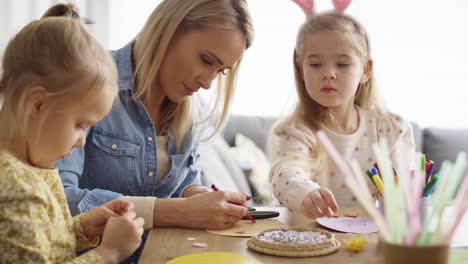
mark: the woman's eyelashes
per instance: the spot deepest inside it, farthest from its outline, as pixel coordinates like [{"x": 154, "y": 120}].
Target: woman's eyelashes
[
  {"x": 206, "y": 60},
  {"x": 82, "y": 126}
]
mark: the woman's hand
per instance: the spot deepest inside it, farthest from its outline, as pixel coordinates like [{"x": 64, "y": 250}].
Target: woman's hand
[
  {"x": 94, "y": 221},
  {"x": 215, "y": 210},
  {"x": 319, "y": 203},
  {"x": 194, "y": 190},
  {"x": 207, "y": 210}
]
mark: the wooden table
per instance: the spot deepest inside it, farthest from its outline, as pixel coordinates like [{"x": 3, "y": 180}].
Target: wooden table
[{"x": 164, "y": 244}]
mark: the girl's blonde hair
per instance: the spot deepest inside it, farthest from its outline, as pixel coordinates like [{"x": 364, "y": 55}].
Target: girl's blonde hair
[
  {"x": 58, "y": 54},
  {"x": 153, "y": 41},
  {"x": 309, "y": 111}
]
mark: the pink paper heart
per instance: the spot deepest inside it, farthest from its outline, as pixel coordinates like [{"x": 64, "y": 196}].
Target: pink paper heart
[
  {"x": 306, "y": 5},
  {"x": 341, "y": 5}
]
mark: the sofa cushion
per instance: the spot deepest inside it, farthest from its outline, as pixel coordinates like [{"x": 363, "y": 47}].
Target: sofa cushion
[
  {"x": 256, "y": 167},
  {"x": 444, "y": 144},
  {"x": 418, "y": 136},
  {"x": 219, "y": 167},
  {"x": 255, "y": 128}
]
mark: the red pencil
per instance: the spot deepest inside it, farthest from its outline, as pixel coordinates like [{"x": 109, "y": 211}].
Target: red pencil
[{"x": 246, "y": 216}]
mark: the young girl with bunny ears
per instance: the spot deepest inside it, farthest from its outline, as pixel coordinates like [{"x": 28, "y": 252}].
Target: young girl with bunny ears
[
  {"x": 56, "y": 82},
  {"x": 337, "y": 94}
]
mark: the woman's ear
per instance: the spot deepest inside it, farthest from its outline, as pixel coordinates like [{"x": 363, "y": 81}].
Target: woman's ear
[
  {"x": 36, "y": 101},
  {"x": 368, "y": 66}
]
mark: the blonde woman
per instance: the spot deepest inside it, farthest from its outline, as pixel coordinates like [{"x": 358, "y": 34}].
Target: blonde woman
[{"x": 147, "y": 146}]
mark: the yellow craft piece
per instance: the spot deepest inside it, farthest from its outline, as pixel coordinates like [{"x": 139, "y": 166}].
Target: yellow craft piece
[
  {"x": 356, "y": 245},
  {"x": 214, "y": 257}
]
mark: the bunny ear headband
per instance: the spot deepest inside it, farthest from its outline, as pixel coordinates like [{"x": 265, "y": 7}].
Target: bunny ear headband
[{"x": 308, "y": 5}]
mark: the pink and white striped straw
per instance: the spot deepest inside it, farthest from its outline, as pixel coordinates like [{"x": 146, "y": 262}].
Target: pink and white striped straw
[
  {"x": 460, "y": 206},
  {"x": 353, "y": 184}
]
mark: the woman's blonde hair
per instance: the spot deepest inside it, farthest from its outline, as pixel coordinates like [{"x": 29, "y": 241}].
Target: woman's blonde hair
[
  {"x": 57, "y": 53},
  {"x": 152, "y": 43},
  {"x": 309, "y": 111}
]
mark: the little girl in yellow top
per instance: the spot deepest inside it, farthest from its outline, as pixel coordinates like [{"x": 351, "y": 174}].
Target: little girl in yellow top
[{"x": 56, "y": 82}]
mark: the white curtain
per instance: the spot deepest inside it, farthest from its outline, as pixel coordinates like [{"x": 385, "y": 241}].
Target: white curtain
[
  {"x": 419, "y": 50},
  {"x": 15, "y": 14}
]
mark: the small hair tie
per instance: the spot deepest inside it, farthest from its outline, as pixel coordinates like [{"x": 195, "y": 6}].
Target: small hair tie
[
  {"x": 74, "y": 14},
  {"x": 85, "y": 20}
]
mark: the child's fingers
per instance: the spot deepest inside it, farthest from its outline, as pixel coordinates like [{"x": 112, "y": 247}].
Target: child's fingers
[
  {"x": 128, "y": 206},
  {"x": 330, "y": 200},
  {"x": 139, "y": 222},
  {"x": 312, "y": 208},
  {"x": 125, "y": 206},
  {"x": 119, "y": 206},
  {"x": 130, "y": 215},
  {"x": 309, "y": 214},
  {"x": 307, "y": 211},
  {"x": 109, "y": 212},
  {"x": 320, "y": 204}
]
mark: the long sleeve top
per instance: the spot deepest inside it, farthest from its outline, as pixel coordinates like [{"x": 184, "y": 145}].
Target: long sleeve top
[
  {"x": 35, "y": 222},
  {"x": 292, "y": 145}
]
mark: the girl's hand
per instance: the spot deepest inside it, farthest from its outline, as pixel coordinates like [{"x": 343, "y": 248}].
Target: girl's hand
[
  {"x": 319, "y": 203},
  {"x": 122, "y": 236},
  {"x": 94, "y": 221}
]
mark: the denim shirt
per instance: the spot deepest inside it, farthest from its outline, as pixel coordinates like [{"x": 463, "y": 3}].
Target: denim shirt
[{"x": 120, "y": 155}]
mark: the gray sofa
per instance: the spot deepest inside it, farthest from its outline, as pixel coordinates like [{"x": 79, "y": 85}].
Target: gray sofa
[{"x": 218, "y": 166}]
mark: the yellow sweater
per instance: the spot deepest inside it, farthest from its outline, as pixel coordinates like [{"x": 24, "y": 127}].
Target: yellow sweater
[{"x": 35, "y": 222}]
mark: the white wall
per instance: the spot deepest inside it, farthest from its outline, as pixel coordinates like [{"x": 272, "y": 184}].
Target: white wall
[{"x": 420, "y": 52}]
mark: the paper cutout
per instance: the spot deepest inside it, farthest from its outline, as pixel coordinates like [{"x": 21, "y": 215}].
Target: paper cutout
[
  {"x": 214, "y": 257},
  {"x": 356, "y": 244},
  {"x": 199, "y": 245},
  {"x": 351, "y": 215},
  {"x": 356, "y": 225},
  {"x": 245, "y": 228}
]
